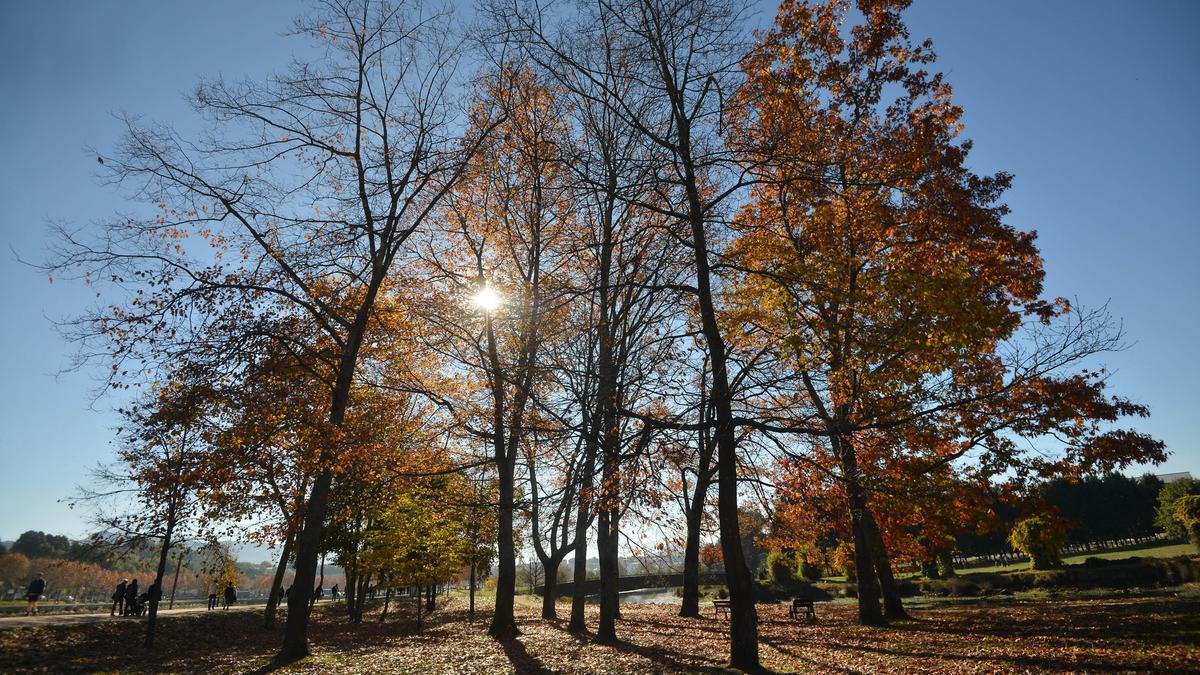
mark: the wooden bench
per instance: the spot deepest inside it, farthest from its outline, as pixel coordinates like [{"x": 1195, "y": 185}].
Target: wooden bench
[
  {"x": 802, "y": 607},
  {"x": 721, "y": 607}
]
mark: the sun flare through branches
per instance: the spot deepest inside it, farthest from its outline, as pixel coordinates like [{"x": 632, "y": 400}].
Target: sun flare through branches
[{"x": 486, "y": 299}]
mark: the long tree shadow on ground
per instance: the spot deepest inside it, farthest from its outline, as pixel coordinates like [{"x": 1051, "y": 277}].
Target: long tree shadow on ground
[
  {"x": 1143, "y": 620},
  {"x": 1128, "y": 634},
  {"x": 521, "y": 659},
  {"x": 675, "y": 657}
]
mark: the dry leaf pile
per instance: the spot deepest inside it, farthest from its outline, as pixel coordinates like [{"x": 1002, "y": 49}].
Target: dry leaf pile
[{"x": 1136, "y": 634}]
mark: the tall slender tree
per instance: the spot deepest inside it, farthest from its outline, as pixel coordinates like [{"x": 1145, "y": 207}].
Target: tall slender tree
[{"x": 499, "y": 253}]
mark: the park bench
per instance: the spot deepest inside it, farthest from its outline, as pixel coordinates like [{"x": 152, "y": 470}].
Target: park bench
[
  {"x": 801, "y": 606},
  {"x": 721, "y": 607}
]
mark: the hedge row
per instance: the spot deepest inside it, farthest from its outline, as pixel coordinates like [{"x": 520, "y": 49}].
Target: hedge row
[{"x": 1093, "y": 573}]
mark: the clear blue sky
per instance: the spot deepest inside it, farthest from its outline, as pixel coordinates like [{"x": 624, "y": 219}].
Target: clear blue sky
[{"x": 1092, "y": 105}]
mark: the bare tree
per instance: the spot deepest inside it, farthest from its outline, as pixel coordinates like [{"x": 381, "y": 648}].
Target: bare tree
[
  {"x": 499, "y": 253},
  {"x": 683, "y": 58},
  {"x": 305, "y": 192}
]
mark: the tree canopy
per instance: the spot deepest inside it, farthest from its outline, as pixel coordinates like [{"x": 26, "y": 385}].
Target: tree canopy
[{"x": 591, "y": 274}]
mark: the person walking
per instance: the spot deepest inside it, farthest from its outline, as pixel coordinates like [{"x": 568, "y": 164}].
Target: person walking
[
  {"x": 334, "y": 592},
  {"x": 118, "y": 598},
  {"x": 37, "y": 587},
  {"x": 230, "y": 596},
  {"x": 131, "y": 594},
  {"x": 212, "y": 597}
]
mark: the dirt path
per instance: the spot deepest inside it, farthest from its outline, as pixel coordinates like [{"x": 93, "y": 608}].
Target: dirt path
[{"x": 10, "y": 622}]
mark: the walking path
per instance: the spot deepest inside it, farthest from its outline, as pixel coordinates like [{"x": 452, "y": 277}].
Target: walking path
[{"x": 22, "y": 621}]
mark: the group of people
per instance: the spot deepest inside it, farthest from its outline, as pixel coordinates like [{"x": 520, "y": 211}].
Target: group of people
[
  {"x": 230, "y": 597},
  {"x": 317, "y": 595},
  {"x": 126, "y": 599},
  {"x": 128, "y": 602}
]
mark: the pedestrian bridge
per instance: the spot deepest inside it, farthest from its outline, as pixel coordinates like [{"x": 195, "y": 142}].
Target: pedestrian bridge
[{"x": 633, "y": 582}]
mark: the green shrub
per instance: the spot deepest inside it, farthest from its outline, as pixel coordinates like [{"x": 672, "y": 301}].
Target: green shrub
[
  {"x": 961, "y": 588},
  {"x": 810, "y": 571},
  {"x": 1165, "y": 515},
  {"x": 956, "y": 587},
  {"x": 1040, "y": 537},
  {"x": 1186, "y": 511},
  {"x": 907, "y": 588},
  {"x": 781, "y": 566},
  {"x": 842, "y": 560},
  {"x": 938, "y": 561},
  {"x": 784, "y": 591},
  {"x": 945, "y": 563}
]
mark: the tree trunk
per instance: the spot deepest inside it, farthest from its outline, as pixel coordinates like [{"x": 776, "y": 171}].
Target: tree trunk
[
  {"x": 610, "y": 573},
  {"x": 893, "y": 605},
  {"x": 419, "y": 603},
  {"x": 691, "y": 568},
  {"x": 277, "y": 583},
  {"x": 295, "y": 634},
  {"x": 352, "y": 573},
  {"x": 743, "y": 629},
  {"x": 690, "y": 607},
  {"x": 364, "y": 583},
  {"x": 503, "y": 621},
  {"x": 583, "y": 518},
  {"x": 743, "y": 623},
  {"x": 694, "y": 513},
  {"x": 869, "y": 613},
  {"x": 609, "y": 527},
  {"x": 471, "y": 585},
  {"x": 320, "y": 584},
  {"x": 577, "y": 623},
  {"x": 152, "y": 619},
  {"x": 308, "y": 544},
  {"x": 604, "y": 439},
  {"x": 550, "y": 587},
  {"x": 504, "y": 624},
  {"x": 175, "y": 583}
]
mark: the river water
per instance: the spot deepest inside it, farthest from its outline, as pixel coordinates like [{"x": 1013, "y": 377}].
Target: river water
[{"x": 646, "y": 596}]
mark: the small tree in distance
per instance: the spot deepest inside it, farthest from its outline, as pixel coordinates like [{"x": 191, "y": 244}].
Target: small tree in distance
[
  {"x": 1171, "y": 493},
  {"x": 1187, "y": 513},
  {"x": 150, "y": 498},
  {"x": 1041, "y": 537}
]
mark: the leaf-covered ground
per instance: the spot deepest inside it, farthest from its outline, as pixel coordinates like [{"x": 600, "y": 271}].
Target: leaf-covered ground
[{"x": 1134, "y": 634}]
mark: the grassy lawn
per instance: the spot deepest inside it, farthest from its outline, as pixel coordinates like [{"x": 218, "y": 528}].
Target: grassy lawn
[
  {"x": 1158, "y": 634},
  {"x": 1152, "y": 551},
  {"x": 1166, "y": 551}
]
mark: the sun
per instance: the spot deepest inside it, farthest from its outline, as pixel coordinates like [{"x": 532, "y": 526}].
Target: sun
[{"x": 487, "y": 299}]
